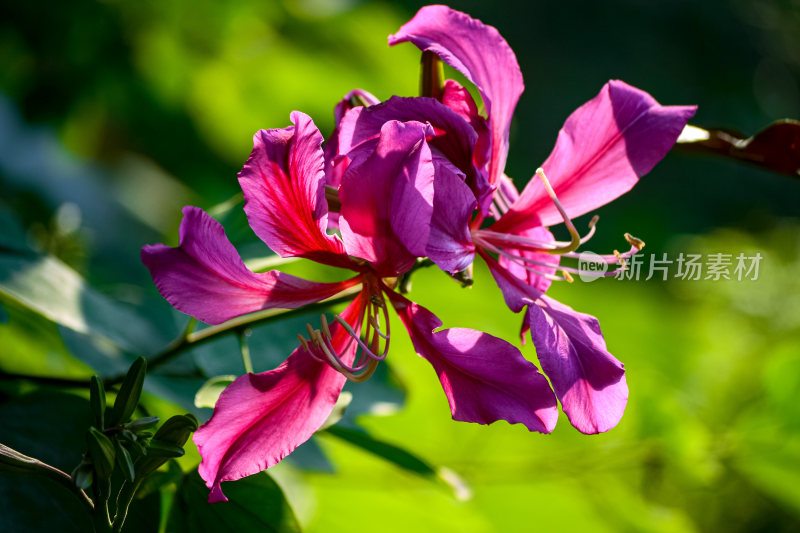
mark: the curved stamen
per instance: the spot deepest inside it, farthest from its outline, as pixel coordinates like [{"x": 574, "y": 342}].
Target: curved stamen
[
  {"x": 526, "y": 262},
  {"x": 377, "y": 327},
  {"x": 576, "y": 238},
  {"x": 366, "y": 349},
  {"x": 532, "y": 245},
  {"x": 320, "y": 343},
  {"x": 522, "y": 262},
  {"x": 608, "y": 259}
]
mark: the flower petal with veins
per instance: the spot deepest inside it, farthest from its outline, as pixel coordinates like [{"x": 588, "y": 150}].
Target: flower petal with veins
[
  {"x": 261, "y": 418},
  {"x": 484, "y": 378},
  {"x": 204, "y": 276},
  {"x": 589, "y": 381},
  {"x": 284, "y": 193}
]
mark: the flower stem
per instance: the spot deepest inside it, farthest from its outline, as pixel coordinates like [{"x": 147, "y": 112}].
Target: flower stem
[
  {"x": 12, "y": 460},
  {"x": 190, "y": 339},
  {"x": 245, "y": 349}
]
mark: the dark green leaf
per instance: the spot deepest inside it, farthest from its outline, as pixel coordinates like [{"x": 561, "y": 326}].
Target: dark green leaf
[
  {"x": 177, "y": 429},
  {"x": 101, "y": 450},
  {"x": 142, "y": 424},
  {"x": 776, "y": 147},
  {"x": 256, "y": 504},
  {"x": 389, "y": 452},
  {"x": 158, "y": 449},
  {"x": 158, "y": 479},
  {"x": 36, "y": 503},
  {"x": 169, "y": 438},
  {"x": 83, "y": 475},
  {"x": 51, "y": 288},
  {"x": 129, "y": 393},
  {"x": 97, "y": 400},
  {"x": 50, "y": 426},
  {"x": 124, "y": 461}
]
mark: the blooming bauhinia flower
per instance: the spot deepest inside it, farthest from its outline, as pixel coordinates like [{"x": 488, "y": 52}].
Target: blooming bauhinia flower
[
  {"x": 604, "y": 147},
  {"x": 260, "y": 418}
]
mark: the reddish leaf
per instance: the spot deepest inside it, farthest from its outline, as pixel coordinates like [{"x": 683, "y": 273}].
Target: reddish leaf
[{"x": 776, "y": 147}]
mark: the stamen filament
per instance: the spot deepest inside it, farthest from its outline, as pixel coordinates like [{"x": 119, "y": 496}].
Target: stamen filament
[
  {"x": 576, "y": 238},
  {"x": 357, "y": 338}
]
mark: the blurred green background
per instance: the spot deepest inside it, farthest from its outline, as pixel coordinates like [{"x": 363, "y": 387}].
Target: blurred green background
[{"x": 115, "y": 114}]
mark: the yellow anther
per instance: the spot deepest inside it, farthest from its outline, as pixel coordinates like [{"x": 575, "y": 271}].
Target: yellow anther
[
  {"x": 324, "y": 322},
  {"x": 304, "y": 342},
  {"x": 633, "y": 241},
  {"x": 623, "y": 265}
]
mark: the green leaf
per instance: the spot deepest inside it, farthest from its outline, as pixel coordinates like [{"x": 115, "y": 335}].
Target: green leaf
[
  {"x": 152, "y": 483},
  {"x": 97, "y": 400},
  {"x": 50, "y": 426},
  {"x": 170, "y": 437},
  {"x": 177, "y": 429},
  {"x": 52, "y": 289},
  {"x": 124, "y": 461},
  {"x": 36, "y": 503},
  {"x": 209, "y": 393},
  {"x": 83, "y": 475},
  {"x": 129, "y": 393},
  {"x": 158, "y": 449},
  {"x": 394, "y": 454},
  {"x": 102, "y": 452},
  {"x": 142, "y": 424},
  {"x": 256, "y": 503}
]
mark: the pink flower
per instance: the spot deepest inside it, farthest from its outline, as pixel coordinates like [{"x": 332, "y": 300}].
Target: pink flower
[
  {"x": 604, "y": 147},
  {"x": 260, "y": 418}
]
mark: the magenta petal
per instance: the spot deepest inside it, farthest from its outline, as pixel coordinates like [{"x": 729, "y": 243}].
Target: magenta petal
[
  {"x": 333, "y": 177},
  {"x": 589, "y": 381},
  {"x": 453, "y": 135},
  {"x": 460, "y": 100},
  {"x": 449, "y": 242},
  {"x": 537, "y": 279},
  {"x": 284, "y": 191},
  {"x": 484, "y": 378},
  {"x": 518, "y": 291},
  {"x": 204, "y": 276},
  {"x": 261, "y": 418},
  {"x": 605, "y": 146},
  {"x": 480, "y": 53},
  {"x": 391, "y": 176}
]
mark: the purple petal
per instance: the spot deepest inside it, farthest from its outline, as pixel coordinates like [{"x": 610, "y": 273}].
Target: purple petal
[
  {"x": 284, "y": 191},
  {"x": 589, "y": 381},
  {"x": 460, "y": 100},
  {"x": 605, "y": 146},
  {"x": 333, "y": 177},
  {"x": 536, "y": 279},
  {"x": 480, "y": 53},
  {"x": 484, "y": 378},
  {"x": 449, "y": 243},
  {"x": 519, "y": 286},
  {"x": 261, "y": 418},
  {"x": 392, "y": 175},
  {"x": 457, "y": 98},
  {"x": 452, "y": 134},
  {"x": 204, "y": 276}
]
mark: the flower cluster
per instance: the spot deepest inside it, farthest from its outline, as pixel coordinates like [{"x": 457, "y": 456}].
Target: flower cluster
[{"x": 410, "y": 178}]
